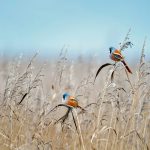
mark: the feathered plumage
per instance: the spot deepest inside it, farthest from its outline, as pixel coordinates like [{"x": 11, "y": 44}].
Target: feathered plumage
[
  {"x": 71, "y": 101},
  {"x": 116, "y": 56}
]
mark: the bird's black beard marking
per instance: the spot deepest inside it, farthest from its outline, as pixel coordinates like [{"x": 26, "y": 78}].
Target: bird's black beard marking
[{"x": 110, "y": 50}]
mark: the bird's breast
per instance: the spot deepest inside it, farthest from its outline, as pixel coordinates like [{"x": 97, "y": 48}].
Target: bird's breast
[{"x": 72, "y": 103}]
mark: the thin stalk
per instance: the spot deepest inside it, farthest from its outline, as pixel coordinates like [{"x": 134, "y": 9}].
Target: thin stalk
[
  {"x": 79, "y": 129},
  {"x": 101, "y": 104},
  {"x": 109, "y": 131}
]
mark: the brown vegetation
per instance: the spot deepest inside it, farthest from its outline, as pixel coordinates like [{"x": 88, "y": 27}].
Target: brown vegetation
[{"x": 117, "y": 114}]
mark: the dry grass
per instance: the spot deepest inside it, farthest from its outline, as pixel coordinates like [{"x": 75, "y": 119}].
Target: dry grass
[{"x": 117, "y": 116}]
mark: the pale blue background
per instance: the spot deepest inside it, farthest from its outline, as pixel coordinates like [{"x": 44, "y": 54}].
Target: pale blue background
[{"x": 84, "y": 26}]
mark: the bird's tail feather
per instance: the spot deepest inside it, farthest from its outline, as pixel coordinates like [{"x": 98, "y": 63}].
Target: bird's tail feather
[
  {"x": 129, "y": 70},
  {"x": 81, "y": 108}
]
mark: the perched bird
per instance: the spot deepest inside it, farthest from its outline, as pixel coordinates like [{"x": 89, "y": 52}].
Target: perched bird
[
  {"x": 115, "y": 55},
  {"x": 71, "y": 101}
]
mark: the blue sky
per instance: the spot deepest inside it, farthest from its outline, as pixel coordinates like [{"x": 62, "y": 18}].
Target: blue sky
[{"x": 84, "y": 26}]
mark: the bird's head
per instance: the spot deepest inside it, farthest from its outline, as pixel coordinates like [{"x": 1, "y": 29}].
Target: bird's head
[
  {"x": 111, "y": 49},
  {"x": 65, "y": 96}
]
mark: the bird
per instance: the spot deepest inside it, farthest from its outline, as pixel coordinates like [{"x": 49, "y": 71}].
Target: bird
[
  {"x": 115, "y": 55},
  {"x": 71, "y": 101}
]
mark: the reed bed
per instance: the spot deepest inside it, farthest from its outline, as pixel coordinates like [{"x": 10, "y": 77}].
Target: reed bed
[{"x": 117, "y": 113}]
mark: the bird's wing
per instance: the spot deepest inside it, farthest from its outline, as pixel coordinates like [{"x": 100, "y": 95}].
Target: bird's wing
[
  {"x": 117, "y": 54},
  {"x": 72, "y": 98}
]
